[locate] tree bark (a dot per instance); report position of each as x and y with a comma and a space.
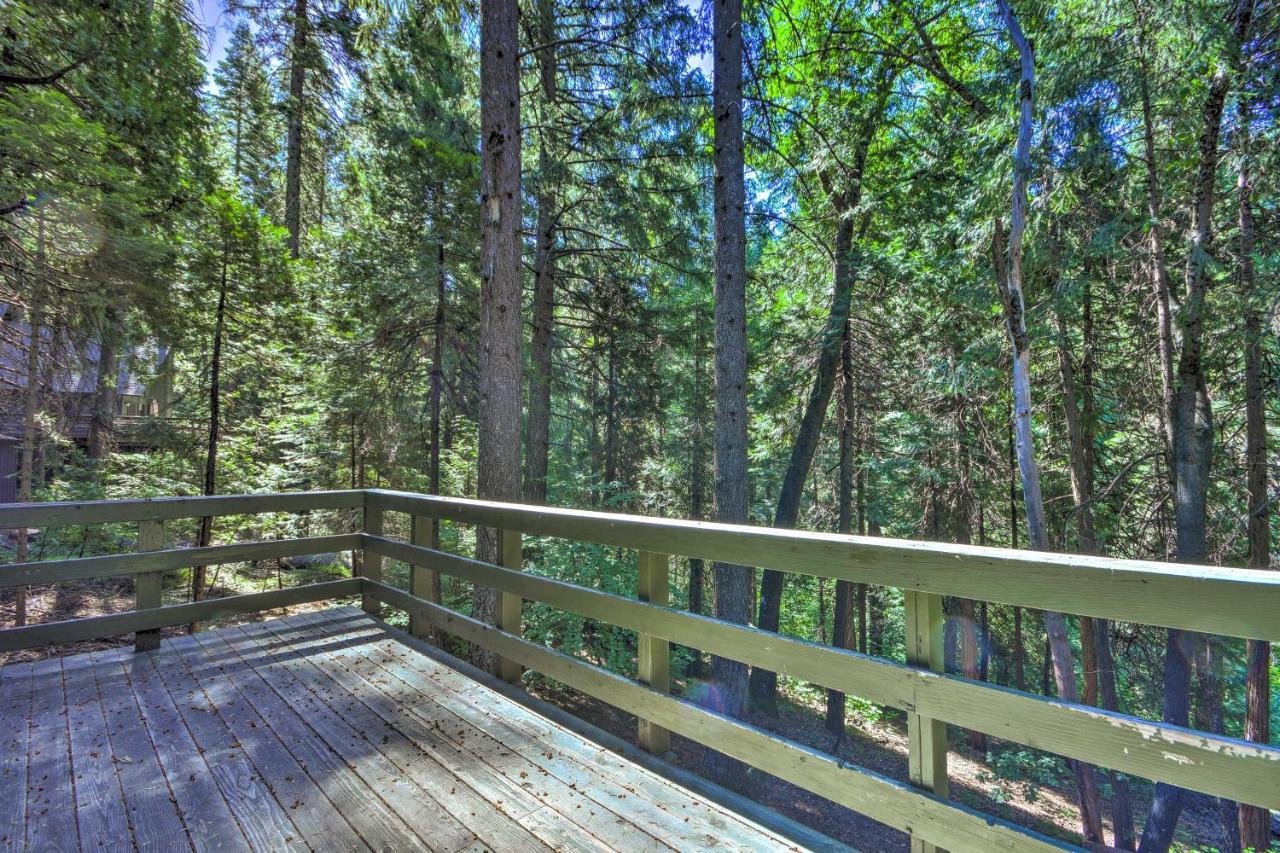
1015, 317
296, 114
1192, 421
500, 366
697, 488
1159, 272
538, 429
102, 424
1019, 647
1095, 638
436, 393
198, 573
842, 636
1255, 829
966, 608
732, 592
30, 409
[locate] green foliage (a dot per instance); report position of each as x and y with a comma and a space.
134, 194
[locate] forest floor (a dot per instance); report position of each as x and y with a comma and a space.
1045, 803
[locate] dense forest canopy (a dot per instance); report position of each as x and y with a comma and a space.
1000, 273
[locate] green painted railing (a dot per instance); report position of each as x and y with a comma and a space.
1232, 602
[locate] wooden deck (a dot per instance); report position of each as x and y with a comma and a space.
321, 732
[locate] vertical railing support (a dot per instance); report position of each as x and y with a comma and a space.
425, 582
510, 607
148, 587
926, 737
371, 564
654, 658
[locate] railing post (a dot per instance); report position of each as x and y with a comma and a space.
148, 587
510, 607
654, 654
371, 564
926, 737
425, 582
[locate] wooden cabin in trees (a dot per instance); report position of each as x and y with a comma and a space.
75, 398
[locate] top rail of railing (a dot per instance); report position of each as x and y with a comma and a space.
69, 513
1216, 600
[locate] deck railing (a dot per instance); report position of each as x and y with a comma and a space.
1231, 602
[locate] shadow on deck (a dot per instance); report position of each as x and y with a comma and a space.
318, 731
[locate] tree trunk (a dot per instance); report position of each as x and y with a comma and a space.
1019, 647
845, 202
1209, 718
732, 593
860, 491
842, 629
611, 415
102, 423
966, 608
30, 408
435, 395
198, 573
697, 488
538, 429
764, 682
1159, 273
1015, 318
875, 609
1095, 639
1192, 423
500, 367
296, 113
1255, 829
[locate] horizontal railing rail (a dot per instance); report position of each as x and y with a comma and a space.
118, 565
884, 799
72, 513
1215, 764
1231, 602
154, 618
148, 565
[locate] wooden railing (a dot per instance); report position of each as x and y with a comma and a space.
149, 565
1232, 602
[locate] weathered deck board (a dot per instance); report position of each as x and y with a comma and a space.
51, 821
377, 824
149, 801
488, 811
280, 772
186, 763
515, 779
416, 793
319, 732
100, 810
15, 710
652, 801
648, 801
544, 813
397, 756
